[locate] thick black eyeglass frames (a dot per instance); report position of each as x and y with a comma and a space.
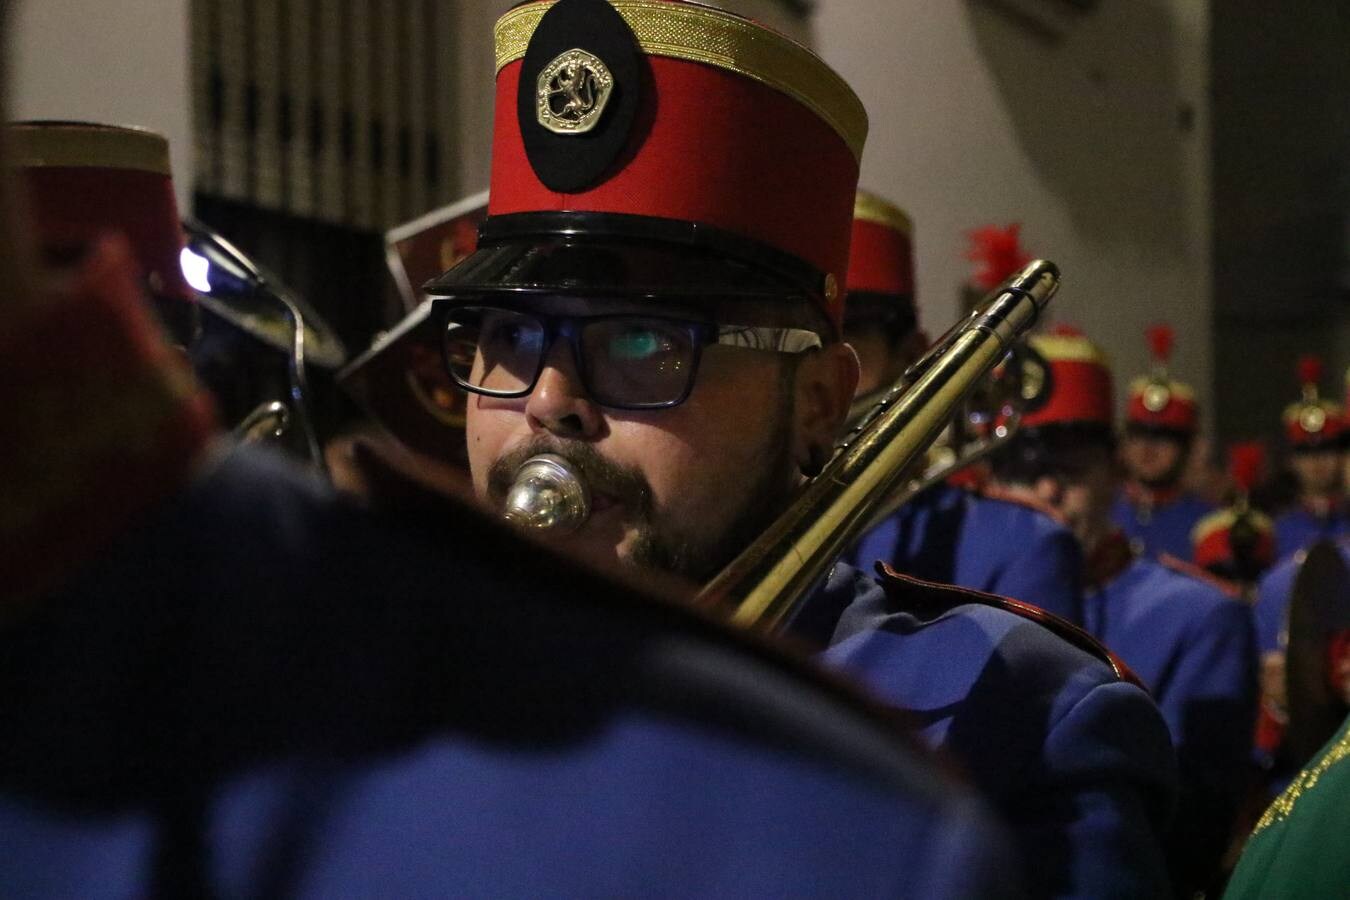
625, 361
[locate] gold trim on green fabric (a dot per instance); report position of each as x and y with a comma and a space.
1304, 782
716, 38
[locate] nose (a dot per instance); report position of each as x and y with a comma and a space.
559, 403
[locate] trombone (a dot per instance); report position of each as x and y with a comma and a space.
873, 468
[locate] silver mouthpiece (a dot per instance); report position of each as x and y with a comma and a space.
548, 495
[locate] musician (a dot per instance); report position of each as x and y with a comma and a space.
222, 680
1315, 429
1237, 542
659, 306
1190, 641
1154, 510
881, 320
972, 536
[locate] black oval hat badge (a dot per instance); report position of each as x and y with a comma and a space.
580, 85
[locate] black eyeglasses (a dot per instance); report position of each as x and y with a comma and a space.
624, 361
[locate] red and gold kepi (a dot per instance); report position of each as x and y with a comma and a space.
1313, 423
655, 147
1158, 403
84, 180
1238, 542
881, 255
1067, 382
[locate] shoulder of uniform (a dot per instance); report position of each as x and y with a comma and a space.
1191, 570
1195, 501
928, 599
1019, 498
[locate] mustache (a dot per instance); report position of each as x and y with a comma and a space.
626, 484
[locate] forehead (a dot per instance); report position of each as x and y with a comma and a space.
604, 305
1153, 439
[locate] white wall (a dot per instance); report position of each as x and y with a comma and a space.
119, 61
976, 120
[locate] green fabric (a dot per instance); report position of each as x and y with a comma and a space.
1301, 846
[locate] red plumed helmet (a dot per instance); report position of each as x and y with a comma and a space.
1247, 464
1310, 371
999, 253
1158, 402
1161, 338
1312, 423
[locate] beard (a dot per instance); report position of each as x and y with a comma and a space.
661, 542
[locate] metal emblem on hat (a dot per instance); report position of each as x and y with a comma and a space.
1156, 397
1035, 377
1313, 419
572, 91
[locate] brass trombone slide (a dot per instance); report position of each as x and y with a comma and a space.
763, 586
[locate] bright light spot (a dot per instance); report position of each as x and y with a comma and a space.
195, 269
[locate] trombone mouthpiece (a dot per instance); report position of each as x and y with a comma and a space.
548, 495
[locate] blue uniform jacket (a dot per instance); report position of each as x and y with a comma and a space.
1077, 761
264, 692
1272, 598
1194, 647
950, 535
1163, 528
1272, 602
1297, 528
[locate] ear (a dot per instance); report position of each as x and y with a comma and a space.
825, 382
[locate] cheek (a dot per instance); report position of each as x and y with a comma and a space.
489, 432
701, 456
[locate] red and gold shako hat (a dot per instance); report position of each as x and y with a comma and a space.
881, 267
1237, 541
1157, 402
648, 147
1312, 423
86, 179
1067, 381
1227, 536
881, 254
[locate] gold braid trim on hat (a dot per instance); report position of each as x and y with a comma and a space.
1227, 518
1296, 411
1177, 390
716, 38
869, 207
1068, 348
36, 145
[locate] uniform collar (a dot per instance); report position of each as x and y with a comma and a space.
1112, 555
1142, 495
1322, 506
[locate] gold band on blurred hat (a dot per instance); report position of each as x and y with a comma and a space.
868, 207
35, 145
